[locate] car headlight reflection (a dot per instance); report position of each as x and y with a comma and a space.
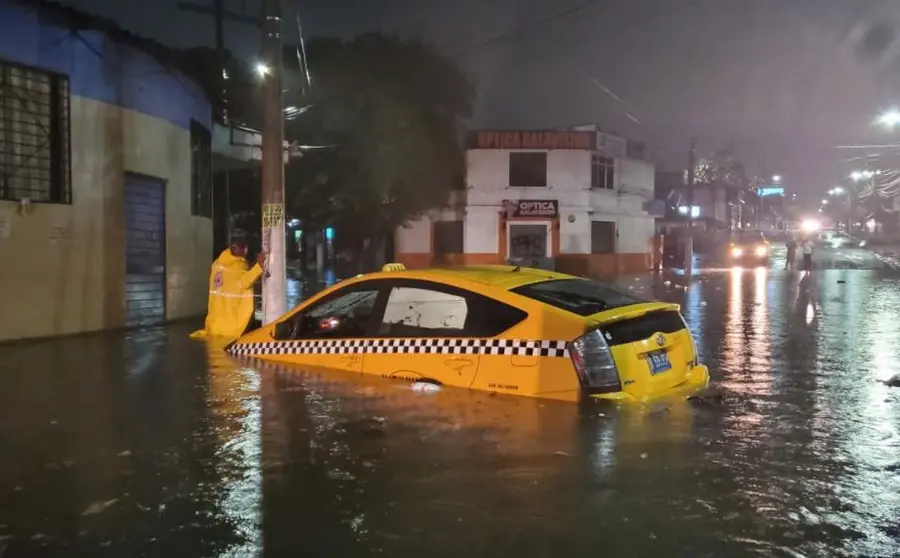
737, 252
761, 251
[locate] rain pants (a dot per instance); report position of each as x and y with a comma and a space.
231, 304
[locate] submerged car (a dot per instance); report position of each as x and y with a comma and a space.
749, 248
502, 329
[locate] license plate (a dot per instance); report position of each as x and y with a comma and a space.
659, 362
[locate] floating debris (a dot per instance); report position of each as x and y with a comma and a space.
99, 507
893, 381
425, 387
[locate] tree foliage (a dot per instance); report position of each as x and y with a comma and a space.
722, 168
387, 112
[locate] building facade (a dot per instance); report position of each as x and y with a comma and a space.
105, 196
576, 199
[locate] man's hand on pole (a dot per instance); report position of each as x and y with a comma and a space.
261, 261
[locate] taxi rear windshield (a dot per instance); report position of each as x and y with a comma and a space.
579, 296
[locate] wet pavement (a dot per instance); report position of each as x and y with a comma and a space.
147, 443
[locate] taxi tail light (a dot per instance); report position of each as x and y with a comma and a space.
594, 363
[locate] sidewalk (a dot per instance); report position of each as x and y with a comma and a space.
886, 249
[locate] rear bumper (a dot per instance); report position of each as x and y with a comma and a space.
696, 379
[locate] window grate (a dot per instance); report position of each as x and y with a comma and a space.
34, 135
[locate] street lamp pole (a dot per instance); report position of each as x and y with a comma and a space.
688, 245
273, 242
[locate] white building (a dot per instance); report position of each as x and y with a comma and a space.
577, 196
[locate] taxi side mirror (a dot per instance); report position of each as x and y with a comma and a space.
284, 330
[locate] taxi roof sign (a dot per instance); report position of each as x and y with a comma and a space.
394, 267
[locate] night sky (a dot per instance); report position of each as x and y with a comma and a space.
782, 81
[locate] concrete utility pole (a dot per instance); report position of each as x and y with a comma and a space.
274, 281
689, 237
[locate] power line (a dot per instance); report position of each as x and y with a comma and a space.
519, 31
533, 25
643, 19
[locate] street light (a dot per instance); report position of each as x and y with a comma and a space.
824, 202
776, 178
262, 70
889, 119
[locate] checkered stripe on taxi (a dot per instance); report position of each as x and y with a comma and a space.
501, 347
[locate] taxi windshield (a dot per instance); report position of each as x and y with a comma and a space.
750, 236
579, 296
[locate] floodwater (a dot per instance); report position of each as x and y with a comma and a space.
147, 443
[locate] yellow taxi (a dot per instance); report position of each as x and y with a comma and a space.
501, 329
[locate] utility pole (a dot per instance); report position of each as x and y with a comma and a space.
688, 245
274, 281
759, 200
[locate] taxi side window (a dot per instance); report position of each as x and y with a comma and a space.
433, 312
344, 315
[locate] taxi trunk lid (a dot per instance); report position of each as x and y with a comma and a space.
651, 345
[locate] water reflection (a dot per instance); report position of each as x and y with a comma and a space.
236, 411
156, 445
460, 471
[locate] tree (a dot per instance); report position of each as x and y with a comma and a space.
383, 118
722, 168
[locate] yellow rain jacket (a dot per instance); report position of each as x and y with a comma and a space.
230, 297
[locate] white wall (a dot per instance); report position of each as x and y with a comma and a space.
575, 236
488, 171
635, 177
482, 231
414, 238
634, 233
76, 283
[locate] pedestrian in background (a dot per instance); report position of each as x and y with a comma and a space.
807, 254
791, 253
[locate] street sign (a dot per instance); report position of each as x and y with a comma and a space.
767, 191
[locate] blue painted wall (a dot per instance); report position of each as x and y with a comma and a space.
100, 68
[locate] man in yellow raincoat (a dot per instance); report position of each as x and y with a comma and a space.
231, 282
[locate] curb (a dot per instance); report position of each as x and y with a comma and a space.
889, 258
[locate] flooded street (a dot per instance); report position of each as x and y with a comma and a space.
148, 443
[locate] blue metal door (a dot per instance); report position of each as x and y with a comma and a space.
145, 250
